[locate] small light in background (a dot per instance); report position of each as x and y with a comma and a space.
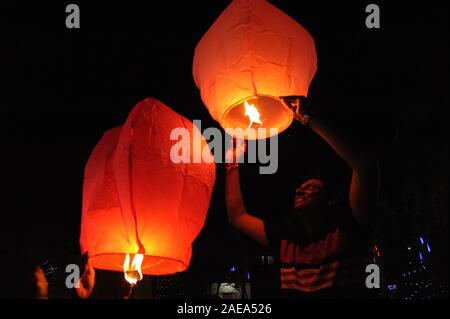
392, 287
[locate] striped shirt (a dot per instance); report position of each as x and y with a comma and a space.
331, 264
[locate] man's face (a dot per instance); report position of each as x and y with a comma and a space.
308, 194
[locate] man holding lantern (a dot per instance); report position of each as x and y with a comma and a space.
323, 250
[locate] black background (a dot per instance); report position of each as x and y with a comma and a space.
62, 88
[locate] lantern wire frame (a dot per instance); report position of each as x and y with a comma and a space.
274, 114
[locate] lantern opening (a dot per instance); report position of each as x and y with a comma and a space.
272, 114
151, 265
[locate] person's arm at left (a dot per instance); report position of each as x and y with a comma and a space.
86, 282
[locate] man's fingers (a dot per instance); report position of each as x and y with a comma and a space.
292, 102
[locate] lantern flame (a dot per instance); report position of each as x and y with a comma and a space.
252, 112
133, 272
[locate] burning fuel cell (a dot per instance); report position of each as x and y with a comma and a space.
252, 112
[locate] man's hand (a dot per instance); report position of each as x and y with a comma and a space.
294, 105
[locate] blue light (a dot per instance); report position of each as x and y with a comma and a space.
429, 248
420, 256
421, 240
392, 287
248, 276
233, 269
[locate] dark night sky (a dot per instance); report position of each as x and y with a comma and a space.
62, 89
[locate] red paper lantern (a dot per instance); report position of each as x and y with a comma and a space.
136, 200
253, 53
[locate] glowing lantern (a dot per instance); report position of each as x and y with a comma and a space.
253, 53
138, 203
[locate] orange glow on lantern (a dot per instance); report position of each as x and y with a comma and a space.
253, 54
252, 112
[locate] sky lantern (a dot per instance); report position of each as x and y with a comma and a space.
141, 211
251, 56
